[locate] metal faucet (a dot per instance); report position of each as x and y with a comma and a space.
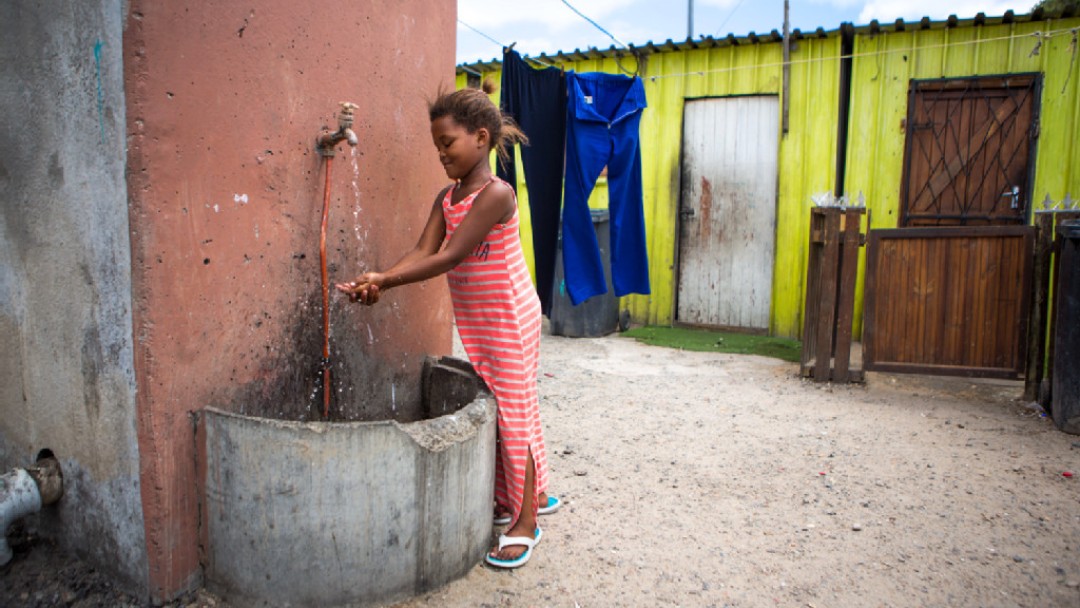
328, 139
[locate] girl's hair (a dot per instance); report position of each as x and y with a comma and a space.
473, 109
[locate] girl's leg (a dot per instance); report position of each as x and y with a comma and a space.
501, 511
526, 523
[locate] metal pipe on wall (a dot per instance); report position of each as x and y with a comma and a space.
25, 491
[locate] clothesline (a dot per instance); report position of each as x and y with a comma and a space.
1040, 37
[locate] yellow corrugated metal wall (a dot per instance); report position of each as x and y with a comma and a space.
807, 167
886, 62
807, 153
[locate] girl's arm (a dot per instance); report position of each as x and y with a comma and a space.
492, 206
430, 239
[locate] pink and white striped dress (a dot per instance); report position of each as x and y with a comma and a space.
498, 317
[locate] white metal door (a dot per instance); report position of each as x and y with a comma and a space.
727, 224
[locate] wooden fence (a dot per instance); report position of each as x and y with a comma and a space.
835, 239
1040, 339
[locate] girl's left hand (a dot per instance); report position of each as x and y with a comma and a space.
365, 289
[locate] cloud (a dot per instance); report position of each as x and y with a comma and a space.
717, 3
550, 13
890, 10
839, 3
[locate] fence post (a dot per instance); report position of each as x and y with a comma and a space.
813, 288
849, 270
1044, 242
826, 322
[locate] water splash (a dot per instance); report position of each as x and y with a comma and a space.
357, 208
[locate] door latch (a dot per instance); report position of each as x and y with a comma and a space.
1013, 194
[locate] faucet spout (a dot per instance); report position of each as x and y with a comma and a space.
328, 140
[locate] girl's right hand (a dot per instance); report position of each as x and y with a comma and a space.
364, 289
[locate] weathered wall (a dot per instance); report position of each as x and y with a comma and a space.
67, 382
224, 104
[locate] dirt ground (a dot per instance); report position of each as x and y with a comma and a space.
699, 479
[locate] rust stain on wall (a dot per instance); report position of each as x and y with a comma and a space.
705, 204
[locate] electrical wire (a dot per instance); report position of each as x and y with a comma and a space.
595, 24
503, 46
481, 33
720, 30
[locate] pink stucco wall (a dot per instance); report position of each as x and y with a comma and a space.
223, 106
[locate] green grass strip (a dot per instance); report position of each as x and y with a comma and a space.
704, 340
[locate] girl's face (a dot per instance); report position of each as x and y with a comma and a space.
459, 151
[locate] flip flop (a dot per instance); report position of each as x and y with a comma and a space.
511, 541
553, 505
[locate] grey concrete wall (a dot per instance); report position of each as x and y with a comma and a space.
66, 362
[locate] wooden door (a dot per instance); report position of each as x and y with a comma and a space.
970, 151
727, 226
948, 291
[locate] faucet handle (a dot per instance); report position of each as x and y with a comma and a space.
345, 118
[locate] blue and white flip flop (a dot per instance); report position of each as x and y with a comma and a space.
515, 541
553, 505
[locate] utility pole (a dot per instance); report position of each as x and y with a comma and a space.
689, 19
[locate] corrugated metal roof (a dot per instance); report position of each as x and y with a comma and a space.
670, 45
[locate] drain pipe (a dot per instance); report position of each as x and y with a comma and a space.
25, 491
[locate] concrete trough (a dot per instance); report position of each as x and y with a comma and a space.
349, 513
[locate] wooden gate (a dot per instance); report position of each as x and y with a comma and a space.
727, 227
949, 301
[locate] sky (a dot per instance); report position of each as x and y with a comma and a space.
549, 26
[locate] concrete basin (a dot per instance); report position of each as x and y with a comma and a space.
349, 513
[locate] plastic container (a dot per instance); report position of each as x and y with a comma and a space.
1065, 392
597, 316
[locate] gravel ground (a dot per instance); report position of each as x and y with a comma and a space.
703, 479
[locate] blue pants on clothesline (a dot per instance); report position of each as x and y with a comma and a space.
602, 120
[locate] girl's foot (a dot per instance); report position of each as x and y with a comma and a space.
518, 541
510, 552
498, 557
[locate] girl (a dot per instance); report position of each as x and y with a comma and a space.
495, 305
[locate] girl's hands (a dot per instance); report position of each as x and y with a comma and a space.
365, 288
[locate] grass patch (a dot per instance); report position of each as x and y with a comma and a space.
704, 340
